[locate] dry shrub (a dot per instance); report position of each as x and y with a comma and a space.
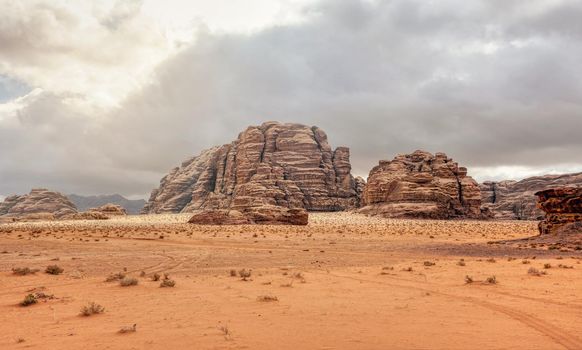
128, 329
29, 300
244, 274
54, 270
267, 298
535, 272
156, 277
128, 281
429, 263
92, 309
23, 271
491, 280
167, 282
115, 277
468, 279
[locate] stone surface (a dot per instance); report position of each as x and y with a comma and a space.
38, 204
266, 215
421, 185
110, 210
516, 200
274, 164
563, 209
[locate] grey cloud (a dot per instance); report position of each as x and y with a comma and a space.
489, 85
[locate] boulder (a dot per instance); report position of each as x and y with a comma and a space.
516, 200
563, 210
39, 204
421, 185
266, 215
274, 164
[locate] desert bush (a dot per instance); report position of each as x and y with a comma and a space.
429, 263
244, 274
461, 263
232, 273
128, 281
525, 261
115, 277
267, 298
128, 329
468, 279
29, 300
156, 277
491, 280
547, 266
54, 270
91, 309
23, 271
166, 282
535, 272
491, 260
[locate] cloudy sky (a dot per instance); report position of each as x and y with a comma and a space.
106, 96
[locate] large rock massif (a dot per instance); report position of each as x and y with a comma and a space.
38, 204
265, 215
272, 165
421, 185
516, 200
563, 208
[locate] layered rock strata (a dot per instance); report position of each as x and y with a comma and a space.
264, 215
516, 200
39, 204
563, 210
274, 164
421, 185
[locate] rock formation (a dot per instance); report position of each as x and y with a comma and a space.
84, 203
103, 212
516, 200
265, 215
563, 208
421, 185
274, 164
110, 210
38, 204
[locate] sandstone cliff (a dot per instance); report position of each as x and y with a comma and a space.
563, 210
516, 200
39, 203
274, 164
421, 185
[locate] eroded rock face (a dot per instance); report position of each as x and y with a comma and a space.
266, 215
274, 164
38, 204
110, 210
563, 209
516, 200
421, 185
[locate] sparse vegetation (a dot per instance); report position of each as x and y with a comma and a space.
128, 329
535, 272
167, 282
244, 274
115, 277
547, 266
91, 308
233, 273
128, 281
461, 262
468, 279
30, 299
54, 270
429, 263
491, 260
267, 298
156, 277
491, 280
225, 331
23, 271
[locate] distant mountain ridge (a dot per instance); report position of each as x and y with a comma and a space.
83, 203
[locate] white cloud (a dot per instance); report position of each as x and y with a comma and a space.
121, 91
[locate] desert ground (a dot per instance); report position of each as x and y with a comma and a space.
345, 281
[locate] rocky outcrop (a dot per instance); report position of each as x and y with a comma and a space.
38, 204
110, 210
266, 215
563, 210
274, 164
84, 203
421, 185
516, 200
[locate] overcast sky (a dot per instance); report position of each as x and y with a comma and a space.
106, 96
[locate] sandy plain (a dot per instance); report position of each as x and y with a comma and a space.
345, 281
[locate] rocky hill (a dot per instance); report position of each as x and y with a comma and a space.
421, 185
39, 203
274, 164
84, 203
516, 200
